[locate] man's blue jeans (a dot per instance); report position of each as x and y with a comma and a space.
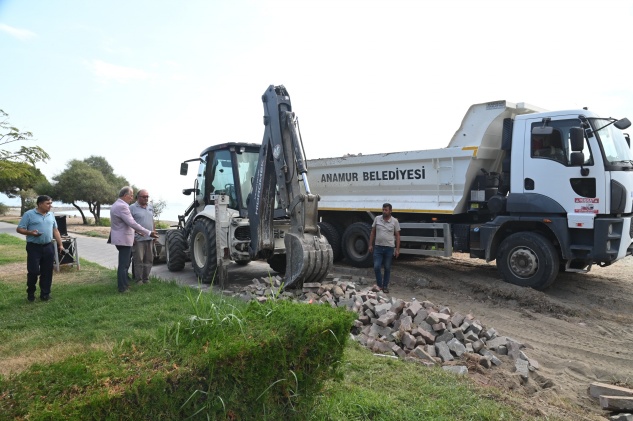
383, 255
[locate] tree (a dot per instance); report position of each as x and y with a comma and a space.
11, 162
22, 184
92, 181
159, 206
18, 174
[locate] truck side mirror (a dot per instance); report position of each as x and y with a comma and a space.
184, 168
576, 139
623, 124
577, 159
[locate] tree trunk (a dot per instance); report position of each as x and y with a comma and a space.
22, 205
95, 210
81, 212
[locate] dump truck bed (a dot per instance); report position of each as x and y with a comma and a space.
434, 181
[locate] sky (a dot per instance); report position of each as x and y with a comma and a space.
148, 84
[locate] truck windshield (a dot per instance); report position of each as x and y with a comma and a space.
614, 146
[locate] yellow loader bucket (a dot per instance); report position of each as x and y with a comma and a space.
308, 259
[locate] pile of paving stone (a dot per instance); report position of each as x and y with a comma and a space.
420, 330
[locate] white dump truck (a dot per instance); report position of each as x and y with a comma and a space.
537, 191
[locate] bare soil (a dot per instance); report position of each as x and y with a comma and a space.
579, 331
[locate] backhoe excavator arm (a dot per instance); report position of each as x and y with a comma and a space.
280, 170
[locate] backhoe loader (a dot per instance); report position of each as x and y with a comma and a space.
253, 202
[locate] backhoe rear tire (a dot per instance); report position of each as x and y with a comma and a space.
356, 245
175, 246
203, 250
333, 237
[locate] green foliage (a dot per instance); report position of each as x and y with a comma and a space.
158, 206
4, 209
161, 225
23, 177
14, 164
104, 222
92, 181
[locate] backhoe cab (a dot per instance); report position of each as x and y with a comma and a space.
253, 202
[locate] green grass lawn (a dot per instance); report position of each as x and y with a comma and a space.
87, 314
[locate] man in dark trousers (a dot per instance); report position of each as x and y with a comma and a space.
122, 228
386, 232
40, 228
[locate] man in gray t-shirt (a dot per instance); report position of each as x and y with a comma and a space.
386, 232
142, 253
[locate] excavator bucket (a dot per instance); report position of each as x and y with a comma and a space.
309, 257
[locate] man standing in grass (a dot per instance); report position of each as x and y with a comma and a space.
40, 228
142, 254
122, 228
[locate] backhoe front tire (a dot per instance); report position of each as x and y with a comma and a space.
528, 259
203, 250
355, 245
175, 246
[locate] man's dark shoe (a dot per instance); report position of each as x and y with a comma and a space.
31, 298
385, 290
45, 297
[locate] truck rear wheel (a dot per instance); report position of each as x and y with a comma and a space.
527, 259
333, 237
175, 246
203, 250
355, 245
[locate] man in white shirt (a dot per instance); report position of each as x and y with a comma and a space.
386, 232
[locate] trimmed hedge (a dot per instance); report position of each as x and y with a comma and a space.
231, 361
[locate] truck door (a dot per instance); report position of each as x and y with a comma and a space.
547, 171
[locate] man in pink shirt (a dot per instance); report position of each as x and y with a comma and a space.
122, 231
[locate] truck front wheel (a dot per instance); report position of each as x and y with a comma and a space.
528, 259
175, 246
356, 245
203, 250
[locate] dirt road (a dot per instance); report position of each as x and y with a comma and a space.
579, 331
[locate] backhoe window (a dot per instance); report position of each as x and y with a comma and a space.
222, 180
247, 165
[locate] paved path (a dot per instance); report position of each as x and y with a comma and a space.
97, 250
